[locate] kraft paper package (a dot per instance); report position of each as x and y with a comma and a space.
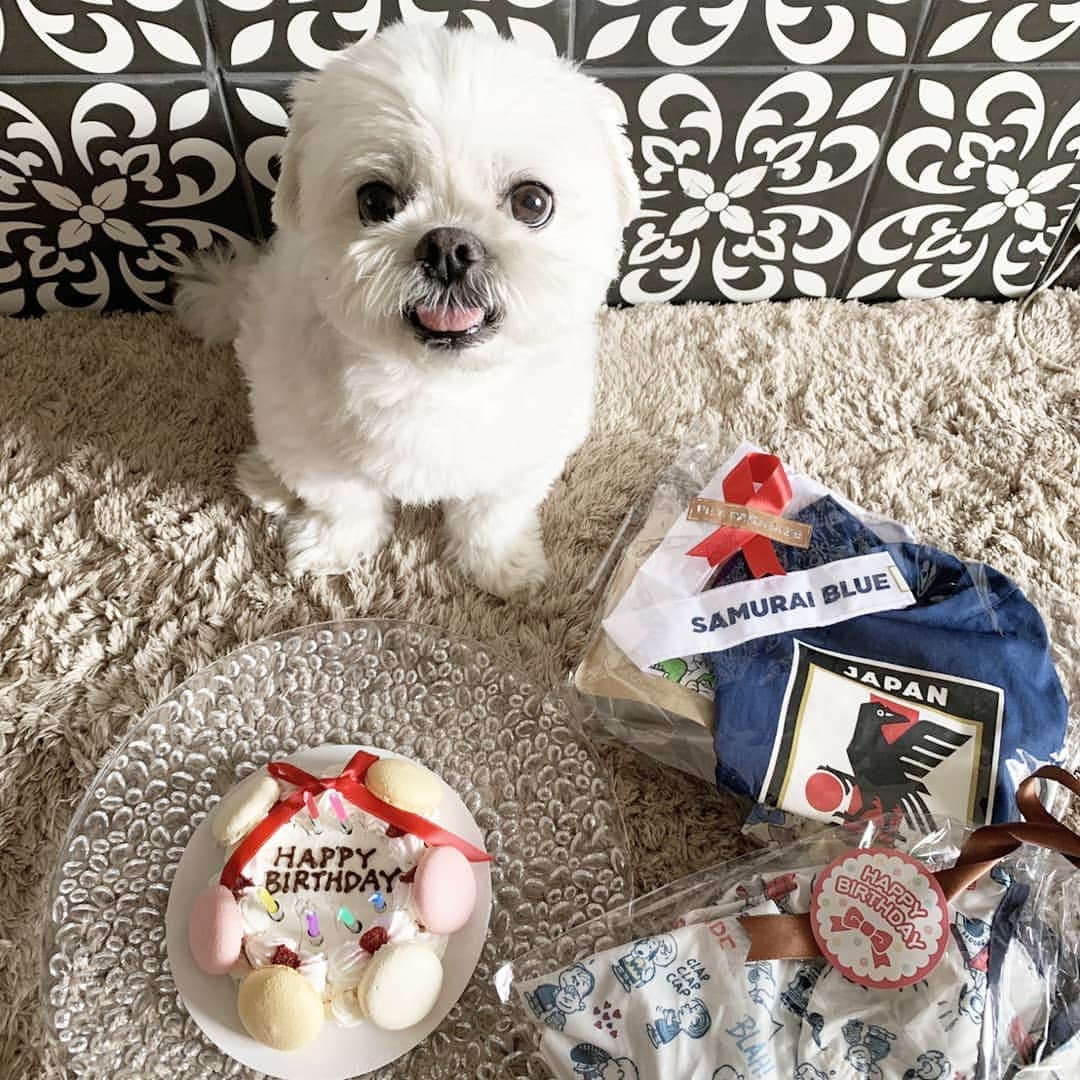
817, 658
850, 954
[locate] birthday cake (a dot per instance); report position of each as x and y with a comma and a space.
336, 898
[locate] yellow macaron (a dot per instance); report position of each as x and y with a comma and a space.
405, 785
280, 1008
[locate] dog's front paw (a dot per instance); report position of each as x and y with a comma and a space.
516, 572
316, 543
258, 481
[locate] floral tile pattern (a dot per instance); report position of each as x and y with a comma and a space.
269, 35
260, 120
618, 33
1002, 30
100, 37
753, 198
104, 185
862, 148
979, 174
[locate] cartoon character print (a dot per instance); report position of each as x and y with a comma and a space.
691, 1019
693, 673
553, 1003
929, 1065
704, 684
760, 984
867, 1045
806, 1071
593, 1063
973, 938
673, 670
972, 1001
796, 997
638, 967
728, 1072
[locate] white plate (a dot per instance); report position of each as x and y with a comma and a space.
338, 1052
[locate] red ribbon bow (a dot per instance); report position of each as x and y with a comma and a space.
771, 496
350, 784
880, 940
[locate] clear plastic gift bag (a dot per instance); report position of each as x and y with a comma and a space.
817, 658
846, 955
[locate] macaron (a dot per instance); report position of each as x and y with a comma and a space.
404, 785
444, 890
400, 985
215, 930
278, 1007
244, 807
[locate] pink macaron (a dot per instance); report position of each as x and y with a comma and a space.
215, 930
444, 890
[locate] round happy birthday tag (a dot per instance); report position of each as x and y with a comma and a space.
880, 917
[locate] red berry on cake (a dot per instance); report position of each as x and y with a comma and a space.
371, 941
285, 956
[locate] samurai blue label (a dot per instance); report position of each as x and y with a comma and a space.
722, 618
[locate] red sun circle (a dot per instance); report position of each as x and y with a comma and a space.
824, 792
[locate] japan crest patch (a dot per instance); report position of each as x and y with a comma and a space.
858, 738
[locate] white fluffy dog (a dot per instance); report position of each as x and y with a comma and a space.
421, 329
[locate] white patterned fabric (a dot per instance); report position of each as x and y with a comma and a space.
684, 1005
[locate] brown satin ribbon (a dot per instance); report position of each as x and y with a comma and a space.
789, 937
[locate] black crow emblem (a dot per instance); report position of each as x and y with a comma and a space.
890, 753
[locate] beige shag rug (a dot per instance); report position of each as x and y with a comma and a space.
127, 561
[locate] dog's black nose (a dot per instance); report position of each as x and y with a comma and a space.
447, 254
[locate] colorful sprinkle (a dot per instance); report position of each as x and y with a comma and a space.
312, 809
273, 908
339, 811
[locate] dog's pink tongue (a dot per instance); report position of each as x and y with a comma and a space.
445, 320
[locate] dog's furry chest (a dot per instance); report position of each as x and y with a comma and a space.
487, 439
326, 409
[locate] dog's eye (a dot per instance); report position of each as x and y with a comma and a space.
377, 202
532, 204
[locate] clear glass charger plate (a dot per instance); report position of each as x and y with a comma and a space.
514, 753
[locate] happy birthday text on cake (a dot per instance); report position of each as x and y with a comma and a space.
323, 870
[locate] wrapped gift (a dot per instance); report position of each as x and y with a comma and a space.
843, 668
871, 955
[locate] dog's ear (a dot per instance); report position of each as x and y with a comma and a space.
620, 152
285, 207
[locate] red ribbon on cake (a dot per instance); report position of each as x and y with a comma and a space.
350, 784
772, 495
